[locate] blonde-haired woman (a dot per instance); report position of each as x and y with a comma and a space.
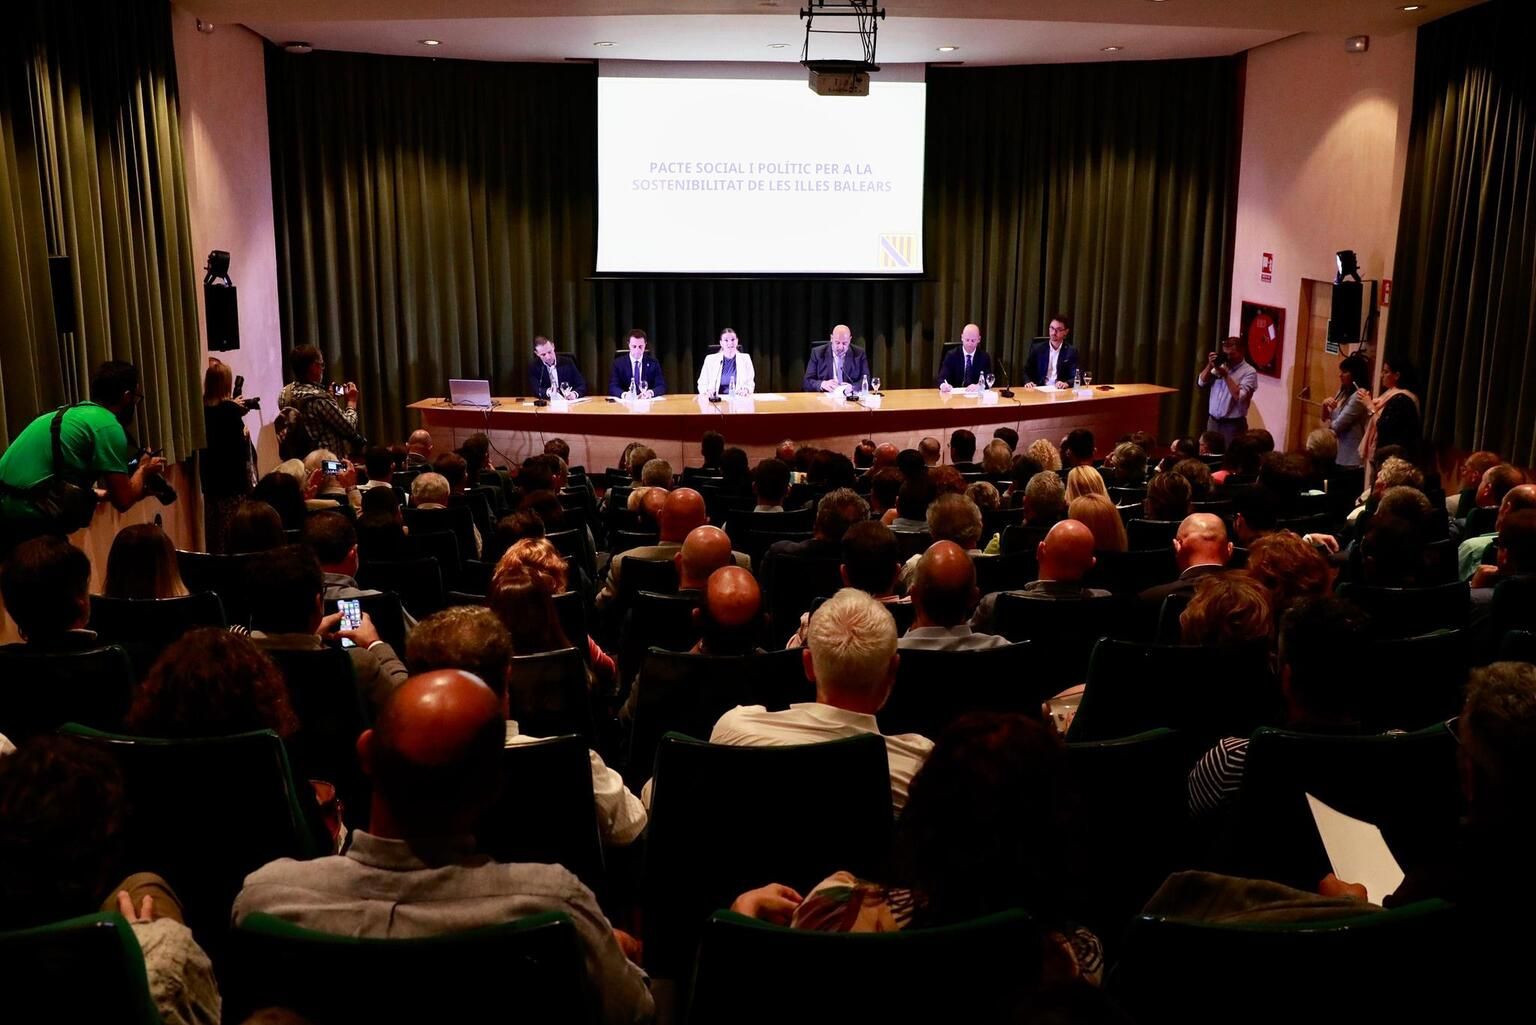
1099, 515
225, 466
1085, 480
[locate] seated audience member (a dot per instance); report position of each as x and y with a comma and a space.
511, 529
324, 490
885, 457
1168, 497
380, 467
1318, 698
142, 564
1289, 568
1179, 449
1103, 519
523, 587
1227, 610
1077, 448
735, 473
285, 495
62, 825
931, 450
835, 513
1045, 505
211, 683
1285, 475
430, 490
912, 503
850, 655
770, 485
333, 539
1323, 451
1085, 480
454, 469
381, 535
1045, 454
1470, 477
1008, 436
1255, 514
830, 470
1240, 462
285, 593
538, 473
681, 511
984, 495
910, 462
1497, 482
1470, 554
730, 617
864, 454
785, 453
947, 480
950, 518
884, 488
997, 460
1126, 466
1517, 557
46, 585
1212, 443
434, 758
638, 457
944, 593
418, 450
256, 527
1199, 477
553, 447
472, 638
704, 550
711, 450
1392, 551
962, 450
982, 833
1200, 548
382, 500
1064, 557
871, 562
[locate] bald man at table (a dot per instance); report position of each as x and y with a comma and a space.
836, 366
962, 367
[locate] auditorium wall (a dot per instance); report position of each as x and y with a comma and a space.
1325, 140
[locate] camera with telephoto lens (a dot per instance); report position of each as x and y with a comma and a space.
159, 487
254, 402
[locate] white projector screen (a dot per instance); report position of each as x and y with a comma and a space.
742, 169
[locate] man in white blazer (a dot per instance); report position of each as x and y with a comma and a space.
729, 371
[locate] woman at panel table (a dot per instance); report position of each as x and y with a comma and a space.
728, 371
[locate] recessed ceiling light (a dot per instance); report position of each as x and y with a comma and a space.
1111, 49
298, 46
777, 46
1414, 7
430, 42
948, 49
605, 42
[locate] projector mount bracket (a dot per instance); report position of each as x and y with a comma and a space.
866, 15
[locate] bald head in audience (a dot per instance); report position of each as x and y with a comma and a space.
1202, 541
434, 755
850, 652
944, 589
419, 445
1066, 554
729, 615
931, 449
651, 502
1522, 496
785, 453
885, 455
704, 550
682, 511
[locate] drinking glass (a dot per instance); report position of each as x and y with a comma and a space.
874, 384
1087, 380
986, 381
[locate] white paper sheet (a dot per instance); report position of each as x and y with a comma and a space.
1357, 850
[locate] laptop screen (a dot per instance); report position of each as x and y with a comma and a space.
469, 393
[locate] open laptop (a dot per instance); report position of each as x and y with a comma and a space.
462, 392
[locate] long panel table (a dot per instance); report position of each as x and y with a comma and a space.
597, 428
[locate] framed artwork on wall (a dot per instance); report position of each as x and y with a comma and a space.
1263, 328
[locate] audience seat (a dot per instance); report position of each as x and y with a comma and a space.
1022, 539
1440, 566
387, 613
1409, 611
1408, 683
1206, 692
572, 610
418, 582
1383, 966
1130, 573
658, 575
475, 577
443, 546
1517, 646
207, 812
548, 694
1318, 523
533, 968
995, 521
322, 689
1169, 629
1151, 535
545, 812
456, 520
1405, 783
145, 627
623, 540
661, 621
971, 972
1481, 520
1004, 572
1127, 495
1514, 605
1064, 633
797, 583
689, 693
85, 969
727, 819
759, 541
933, 688
912, 542
225, 575
41, 691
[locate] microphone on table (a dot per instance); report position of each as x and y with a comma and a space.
1006, 392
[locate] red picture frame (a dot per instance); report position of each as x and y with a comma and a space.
1262, 326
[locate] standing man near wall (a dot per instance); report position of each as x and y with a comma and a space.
324, 423
1232, 381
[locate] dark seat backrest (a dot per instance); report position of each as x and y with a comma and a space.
41, 691
548, 694
545, 812
387, 613
1413, 682
225, 575
624, 540
82, 969
1004, 572
418, 582
444, 546
1130, 573
797, 583
1021, 539
708, 839
658, 575
145, 627
912, 542
1410, 611
933, 688
1064, 632
661, 621
322, 689
328, 979
1151, 535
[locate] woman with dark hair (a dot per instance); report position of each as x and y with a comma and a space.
255, 527
1395, 417
142, 564
985, 830
211, 683
1348, 410
285, 494
736, 471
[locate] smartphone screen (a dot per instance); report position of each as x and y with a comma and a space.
351, 616
239, 385
332, 466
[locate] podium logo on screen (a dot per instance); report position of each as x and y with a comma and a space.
897, 252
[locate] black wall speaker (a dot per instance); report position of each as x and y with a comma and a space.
1345, 322
62, 283
223, 316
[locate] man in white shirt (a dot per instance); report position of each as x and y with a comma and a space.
850, 655
945, 594
1053, 362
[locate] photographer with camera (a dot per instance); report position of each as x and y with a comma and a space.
317, 419
225, 466
1232, 381
48, 476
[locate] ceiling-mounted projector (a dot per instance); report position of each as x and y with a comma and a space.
842, 77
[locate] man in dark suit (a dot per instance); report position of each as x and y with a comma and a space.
836, 366
964, 366
548, 370
1051, 363
1200, 548
636, 369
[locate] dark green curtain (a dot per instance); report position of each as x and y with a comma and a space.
432, 216
1464, 302
90, 157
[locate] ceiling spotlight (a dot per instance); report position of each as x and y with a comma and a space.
298, 46
1414, 7
430, 42
1111, 49
948, 49
205, 27
605, 42
777, 46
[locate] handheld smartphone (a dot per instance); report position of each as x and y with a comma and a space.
239, 385
351, 616
339, 390
332, 466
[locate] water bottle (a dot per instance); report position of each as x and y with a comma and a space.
864, 385
1077, 379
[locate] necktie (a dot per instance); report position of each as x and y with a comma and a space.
635, 377
837, 370
967, 378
